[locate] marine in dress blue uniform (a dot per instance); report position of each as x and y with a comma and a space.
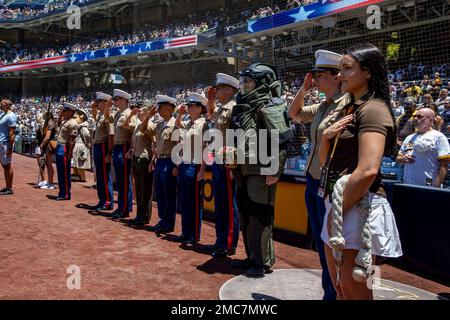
122, 165
191, 169
160, 128
102, 158
226, 213
66, 134
320, 116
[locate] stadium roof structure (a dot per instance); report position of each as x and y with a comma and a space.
99, 6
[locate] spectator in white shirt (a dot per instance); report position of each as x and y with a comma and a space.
426, 153
441, 100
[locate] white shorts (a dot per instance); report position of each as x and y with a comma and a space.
385, 237
4, 158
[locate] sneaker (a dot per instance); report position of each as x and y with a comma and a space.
48, 187
6, 192
42, 183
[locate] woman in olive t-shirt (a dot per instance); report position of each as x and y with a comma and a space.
366, 132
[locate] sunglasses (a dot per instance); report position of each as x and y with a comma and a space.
420, 117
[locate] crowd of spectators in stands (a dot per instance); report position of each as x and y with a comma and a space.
12, 54
53, 6
276, 8
407, 98
16, 55
26, 13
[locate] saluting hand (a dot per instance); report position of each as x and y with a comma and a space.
182, 110
108, 107
94, 105
152, 111
308, 83
211, 95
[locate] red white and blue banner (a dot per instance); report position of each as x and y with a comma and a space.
315, 10
138, 48
33, 64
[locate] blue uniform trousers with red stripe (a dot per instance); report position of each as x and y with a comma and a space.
165, 192
63, 167
225, 207
316, 215
122, 169
103, 174
191, 201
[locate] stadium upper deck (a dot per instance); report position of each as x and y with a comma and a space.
280, 35
26, 13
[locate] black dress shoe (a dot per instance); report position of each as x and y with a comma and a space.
120, 215
155, 228
111, 214
104, 208
242, 264
219, 253
164, 230
62, 199
211, 248
189, 241
130, 222
181, 238
138, 223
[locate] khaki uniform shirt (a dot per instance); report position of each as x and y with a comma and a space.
67, 129
161, 132
103, 129
122, 135
321, 116
194, 137
142, 143
222, 117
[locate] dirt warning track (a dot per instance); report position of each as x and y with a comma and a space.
41, 238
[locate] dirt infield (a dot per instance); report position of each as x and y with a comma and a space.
41, 238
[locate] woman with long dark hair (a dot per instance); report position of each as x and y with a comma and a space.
48, 149
354, 146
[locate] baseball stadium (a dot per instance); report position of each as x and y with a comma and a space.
96, 94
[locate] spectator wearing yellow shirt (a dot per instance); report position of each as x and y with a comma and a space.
414, 91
